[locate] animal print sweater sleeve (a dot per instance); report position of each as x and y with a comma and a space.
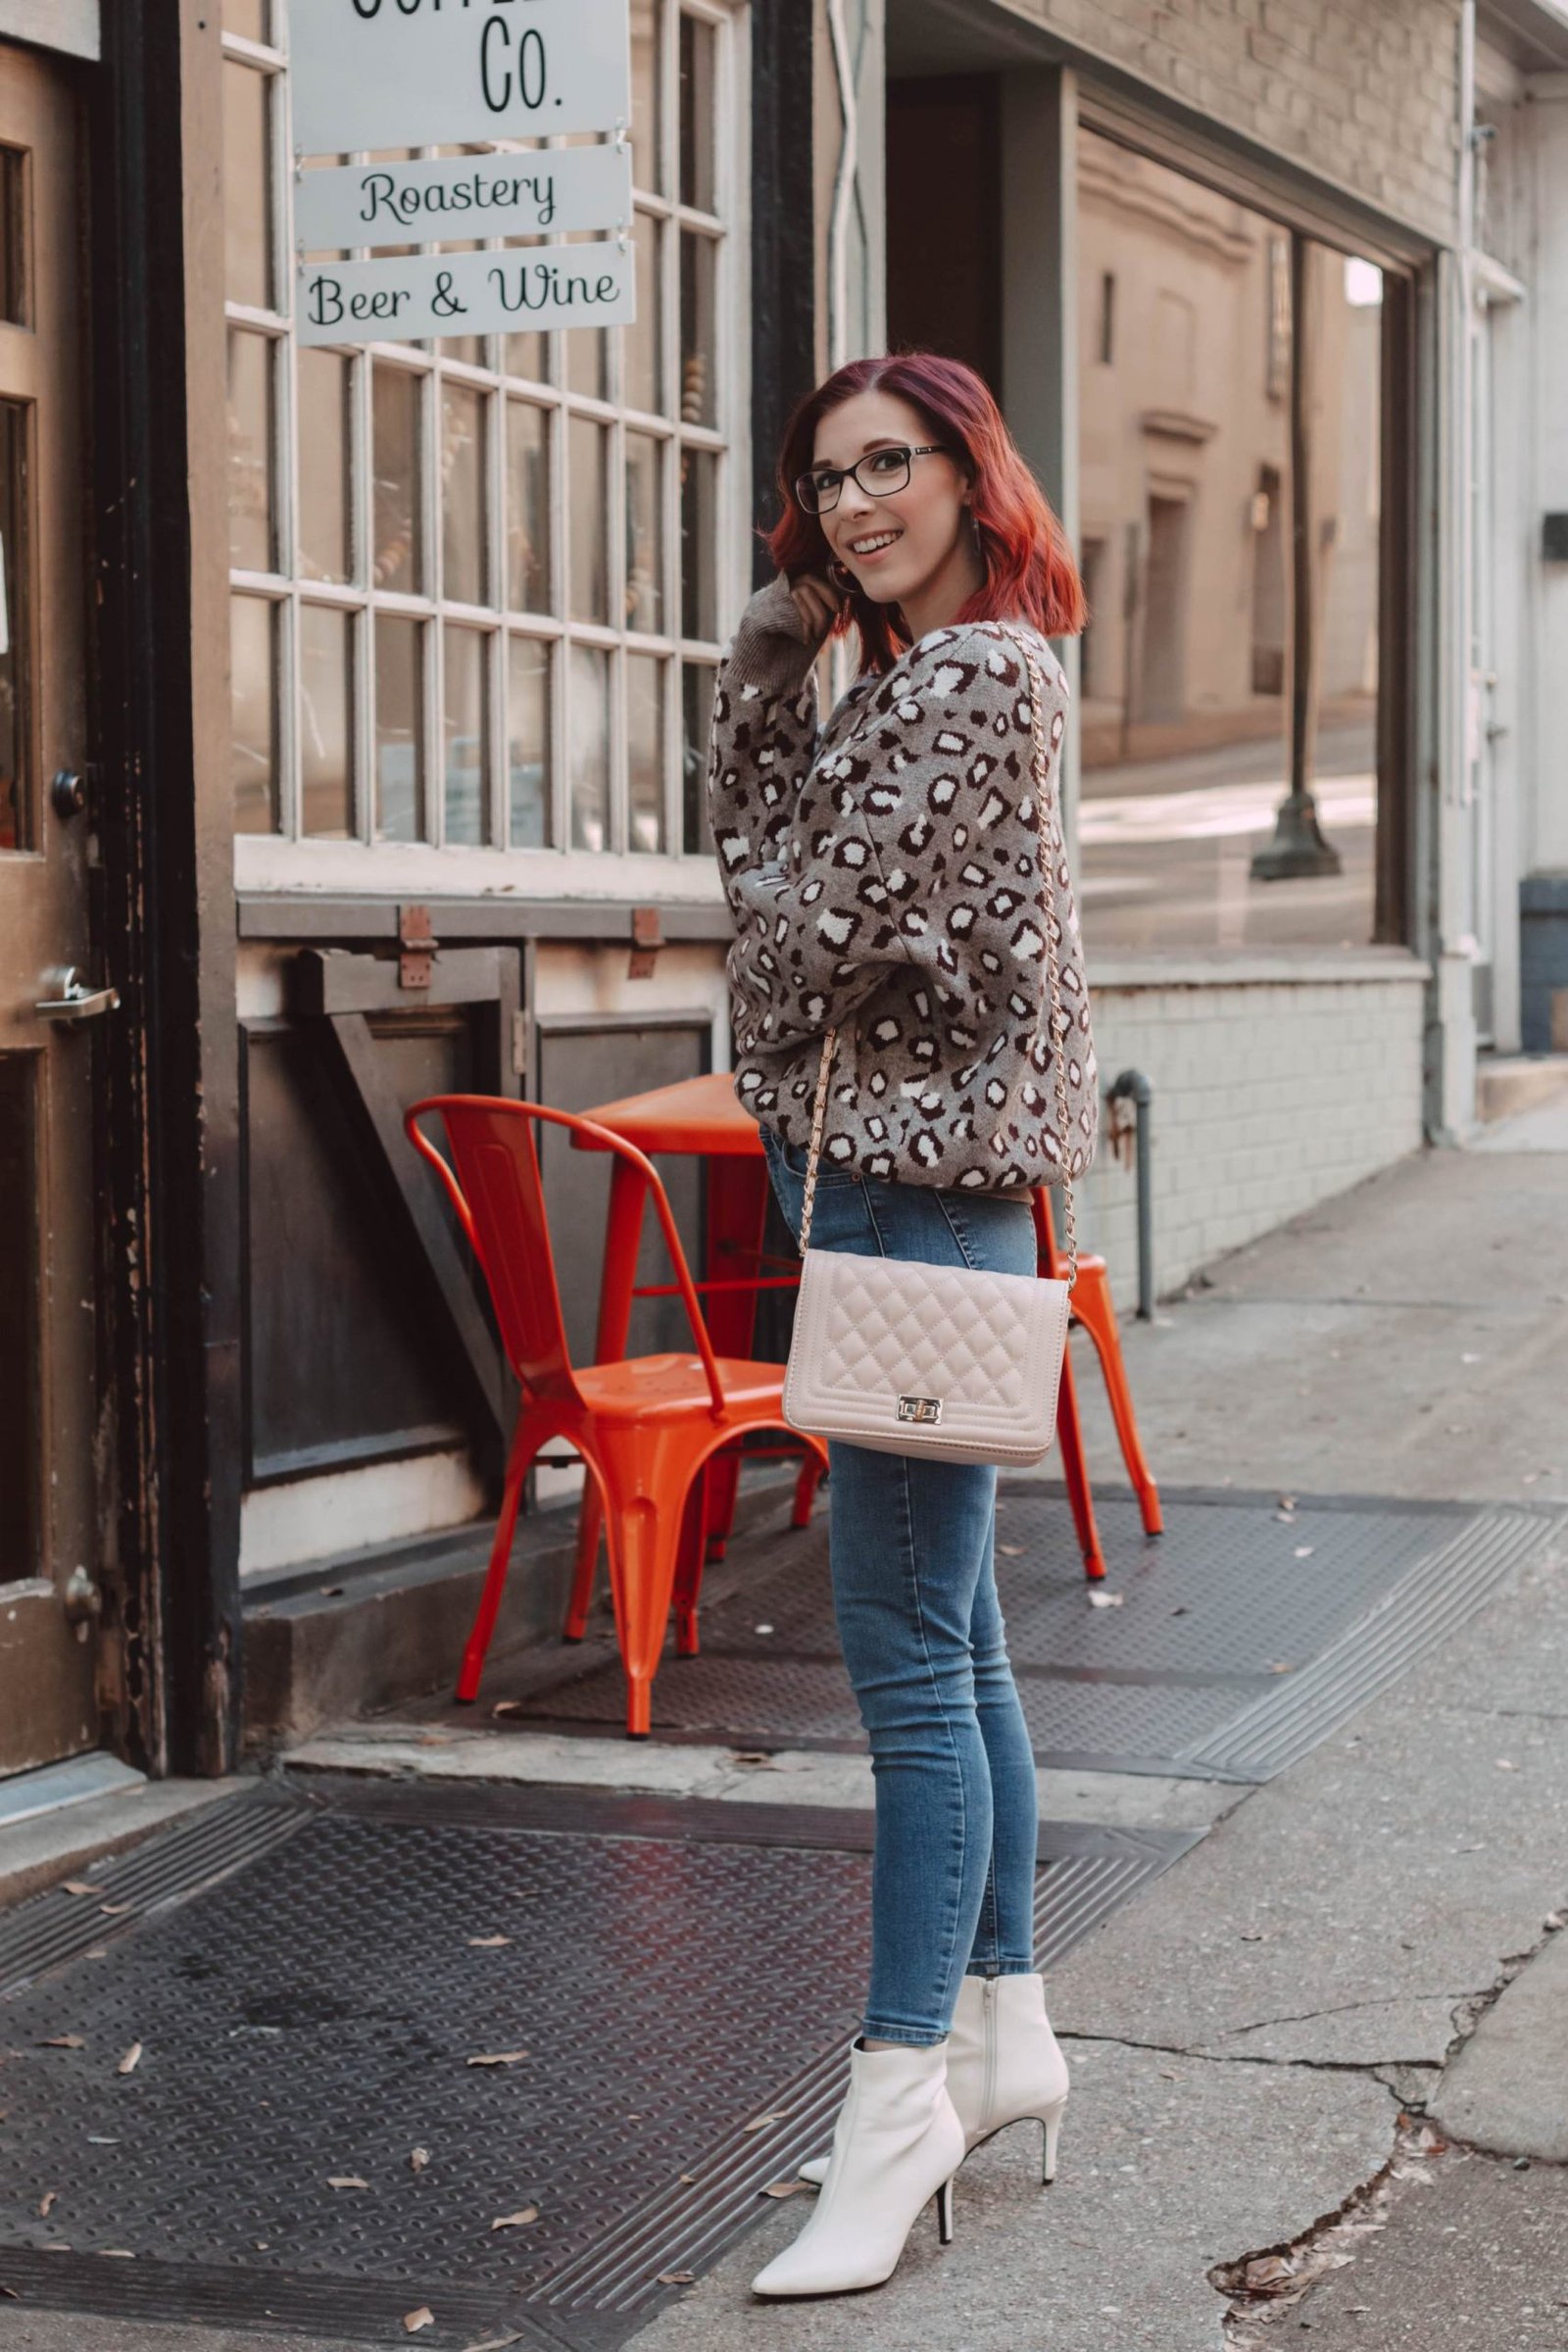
887, 879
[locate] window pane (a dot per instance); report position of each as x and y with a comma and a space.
253, 759
645, 538
695, 724
399, 728
327, 727
698, 51
588, 448
325, 520
699, 542
590, 747
697, 348
466, 734
587, 348
17, 777
250, 447
396, 548
641, 342
1215, 579
527, 355
247, 18
645, 753
247, 197
528, 507
645, 84
529, 743
463, 494
586, 356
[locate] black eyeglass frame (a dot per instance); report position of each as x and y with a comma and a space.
908, 453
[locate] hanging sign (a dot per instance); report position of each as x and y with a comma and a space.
410, 296
463, 196
370, 74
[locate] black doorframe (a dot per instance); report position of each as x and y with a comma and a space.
165, 892
783, 356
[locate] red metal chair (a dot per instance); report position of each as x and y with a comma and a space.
644, 1426
1095, 1310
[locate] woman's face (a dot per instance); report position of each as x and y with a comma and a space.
896, 546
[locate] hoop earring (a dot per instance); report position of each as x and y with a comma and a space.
843, 580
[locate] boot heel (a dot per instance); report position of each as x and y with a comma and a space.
945, 2211
1053, 2126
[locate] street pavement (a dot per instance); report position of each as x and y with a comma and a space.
1320, 2066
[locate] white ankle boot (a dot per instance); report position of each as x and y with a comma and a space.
1004, 2064
898, 2144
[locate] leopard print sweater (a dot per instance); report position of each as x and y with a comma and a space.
885, 879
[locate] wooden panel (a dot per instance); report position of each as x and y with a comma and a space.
19, 1318
350, 1354
578, 1068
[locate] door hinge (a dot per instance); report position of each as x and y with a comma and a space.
647, 938
417, 941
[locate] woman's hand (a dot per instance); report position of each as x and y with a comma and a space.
818, 604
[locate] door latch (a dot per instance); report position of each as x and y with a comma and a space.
75, 1001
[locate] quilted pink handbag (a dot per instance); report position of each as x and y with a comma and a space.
935, 1360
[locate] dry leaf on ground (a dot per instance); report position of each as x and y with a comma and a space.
419, 2158
757, 2121
65, 2041
1012, 1552
516, 2220
47, 2199
127, 2064
346, 2181
113, 1910
1106, 1600
676, 2278
782, 2188
413, 2320
80, 1886
498, 2058
488, 1944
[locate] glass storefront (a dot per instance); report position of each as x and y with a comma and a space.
1230, 406
476, 582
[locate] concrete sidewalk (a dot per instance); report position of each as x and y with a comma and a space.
1327, 2049
1271, 2048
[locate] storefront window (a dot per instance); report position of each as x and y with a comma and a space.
477, 581
1231, 423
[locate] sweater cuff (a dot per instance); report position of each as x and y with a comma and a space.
769, 649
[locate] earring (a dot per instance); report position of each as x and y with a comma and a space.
843, 580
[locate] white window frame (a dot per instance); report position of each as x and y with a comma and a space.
286, 861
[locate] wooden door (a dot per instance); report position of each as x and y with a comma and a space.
52, 1000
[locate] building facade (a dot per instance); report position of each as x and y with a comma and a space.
312, 657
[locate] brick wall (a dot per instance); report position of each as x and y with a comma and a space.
1270, 1093
1364, 96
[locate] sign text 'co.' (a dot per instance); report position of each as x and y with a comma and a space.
370, 74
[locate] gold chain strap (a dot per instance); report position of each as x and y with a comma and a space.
1054, 1014
818, 1110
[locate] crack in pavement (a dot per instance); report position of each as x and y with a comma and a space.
1322, 2066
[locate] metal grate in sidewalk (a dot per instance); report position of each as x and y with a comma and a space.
307, 1984
1241, 1637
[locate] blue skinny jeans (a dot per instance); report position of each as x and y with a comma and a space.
912, 1548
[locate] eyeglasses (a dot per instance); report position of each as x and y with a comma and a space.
885, 470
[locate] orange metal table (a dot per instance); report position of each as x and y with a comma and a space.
701, 1116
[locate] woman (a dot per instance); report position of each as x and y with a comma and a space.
886, 879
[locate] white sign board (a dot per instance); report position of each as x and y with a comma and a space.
414, 295
461, 197
371, 73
